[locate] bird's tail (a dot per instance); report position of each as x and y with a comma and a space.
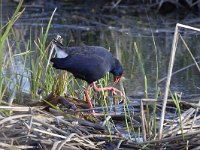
59, 48
58, 63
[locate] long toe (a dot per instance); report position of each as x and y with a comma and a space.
118, 93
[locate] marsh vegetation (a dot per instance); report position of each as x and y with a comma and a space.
31, 115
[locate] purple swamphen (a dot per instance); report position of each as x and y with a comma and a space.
89, 63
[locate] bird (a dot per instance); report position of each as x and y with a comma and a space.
88, 63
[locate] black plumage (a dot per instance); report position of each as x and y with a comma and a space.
89, 63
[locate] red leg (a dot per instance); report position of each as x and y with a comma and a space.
88, 98
114, 90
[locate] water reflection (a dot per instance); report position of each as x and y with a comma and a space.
118, 32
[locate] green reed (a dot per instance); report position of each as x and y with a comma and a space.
177, 104
145, 86
4, 33
34, 59
41, 72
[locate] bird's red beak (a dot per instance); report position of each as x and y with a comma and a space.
117, 79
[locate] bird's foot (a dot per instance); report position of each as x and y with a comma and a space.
110, 88
118, 93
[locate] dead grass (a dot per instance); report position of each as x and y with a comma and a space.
32, 127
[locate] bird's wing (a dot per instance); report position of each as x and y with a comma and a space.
86, 67
91, 66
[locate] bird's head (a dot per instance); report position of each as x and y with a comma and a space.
117, 71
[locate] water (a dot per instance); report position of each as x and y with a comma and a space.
117, 30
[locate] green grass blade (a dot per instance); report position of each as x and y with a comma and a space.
8, 28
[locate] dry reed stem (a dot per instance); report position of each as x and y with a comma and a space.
15, 108
178, 137
143, 120
171, 63
58, 132
175, 127
39, 126
11, 118
170, 67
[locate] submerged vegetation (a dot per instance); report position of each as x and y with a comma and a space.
37, 119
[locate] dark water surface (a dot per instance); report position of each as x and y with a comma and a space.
117, 29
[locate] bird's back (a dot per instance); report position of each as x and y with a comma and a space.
90, 51
84, 50
85, 67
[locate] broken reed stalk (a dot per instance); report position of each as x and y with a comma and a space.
195, 62
171, 63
